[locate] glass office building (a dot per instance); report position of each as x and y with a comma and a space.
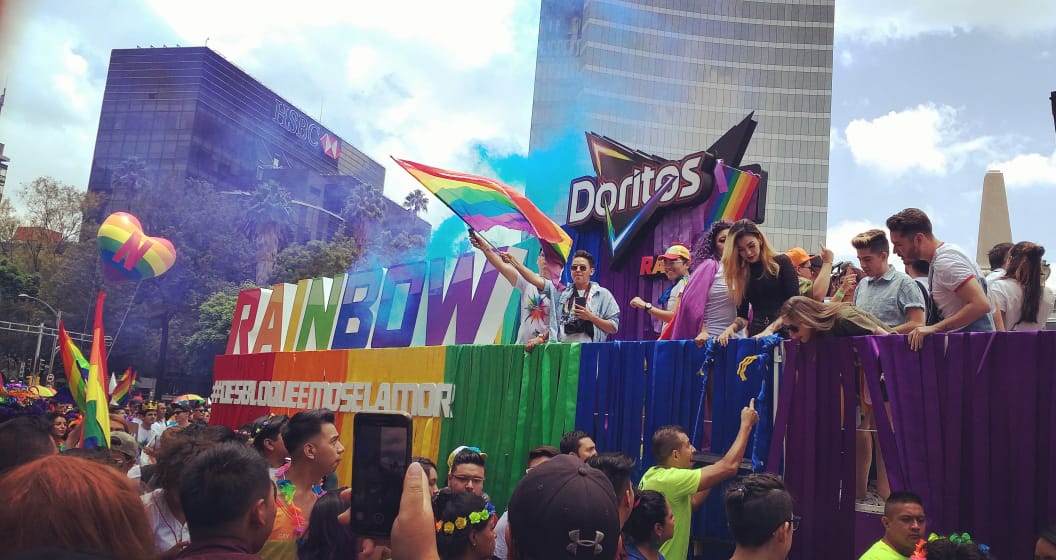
669, 77
188, 112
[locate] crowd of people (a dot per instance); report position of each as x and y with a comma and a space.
172, 486
215, 493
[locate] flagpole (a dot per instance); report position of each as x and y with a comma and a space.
113, 342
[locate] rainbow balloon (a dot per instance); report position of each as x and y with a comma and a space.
129, 253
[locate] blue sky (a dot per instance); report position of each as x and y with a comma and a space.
926, 95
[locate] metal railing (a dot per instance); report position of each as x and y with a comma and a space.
50, 331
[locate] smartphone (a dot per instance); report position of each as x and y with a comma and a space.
581, 301
381, 452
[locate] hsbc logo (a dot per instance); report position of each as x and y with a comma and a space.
306, 129
331, 146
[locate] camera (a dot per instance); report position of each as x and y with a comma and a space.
838, 270
574, 325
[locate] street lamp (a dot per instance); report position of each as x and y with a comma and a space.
58, 317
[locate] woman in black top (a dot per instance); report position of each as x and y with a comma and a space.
756, 276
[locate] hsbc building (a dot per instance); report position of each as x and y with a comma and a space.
189, 112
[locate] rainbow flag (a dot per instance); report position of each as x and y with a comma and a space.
96, 409
123, 392
484, 203
75, 365
734, 190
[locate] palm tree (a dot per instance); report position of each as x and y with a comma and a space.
363, 211
416, 202
267, 220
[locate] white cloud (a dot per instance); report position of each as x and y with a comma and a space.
420, 80
838, 238
1028, 170
846, 57
873, 21
926, 138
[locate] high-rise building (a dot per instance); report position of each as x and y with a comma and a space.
4, 160
189, 112
669, 77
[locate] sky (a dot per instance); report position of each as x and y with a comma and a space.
927, 96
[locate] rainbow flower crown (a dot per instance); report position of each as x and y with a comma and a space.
474, 518
921, 553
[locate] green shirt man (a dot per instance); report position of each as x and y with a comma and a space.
684, 487
904, 526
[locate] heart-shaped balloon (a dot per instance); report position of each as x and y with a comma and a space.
129, 253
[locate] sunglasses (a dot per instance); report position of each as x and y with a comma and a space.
795, 522
580, 267
793, 328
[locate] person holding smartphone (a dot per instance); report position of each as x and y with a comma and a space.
586, 312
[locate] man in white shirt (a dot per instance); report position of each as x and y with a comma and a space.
148, 431
957, 285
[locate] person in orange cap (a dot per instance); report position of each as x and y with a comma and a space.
676, 267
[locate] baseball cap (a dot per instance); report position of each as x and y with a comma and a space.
562, 509
677, 251
125, 443
798, 256
451, 457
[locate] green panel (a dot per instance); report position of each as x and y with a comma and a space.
506, 403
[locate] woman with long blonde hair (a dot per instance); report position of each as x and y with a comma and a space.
1019, 299
757, 277
807, 319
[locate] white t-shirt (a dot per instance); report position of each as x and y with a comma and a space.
500, 536
951, 269
167, 529
1006, 296
719, 311
535, 311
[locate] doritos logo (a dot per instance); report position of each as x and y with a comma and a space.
331, 146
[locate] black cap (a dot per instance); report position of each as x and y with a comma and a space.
562, 509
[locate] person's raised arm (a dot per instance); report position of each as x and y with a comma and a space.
505, 269
820, 288
727, 467
528, 274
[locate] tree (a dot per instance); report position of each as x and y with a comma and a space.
211, 253
267, 219
315, 259
57, 211
397, 246
9, 221
363, 211
416, 202
212, 327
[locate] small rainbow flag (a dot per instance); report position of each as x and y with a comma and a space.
97, 409
123, 392
484, 203
75, 365
734, 189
